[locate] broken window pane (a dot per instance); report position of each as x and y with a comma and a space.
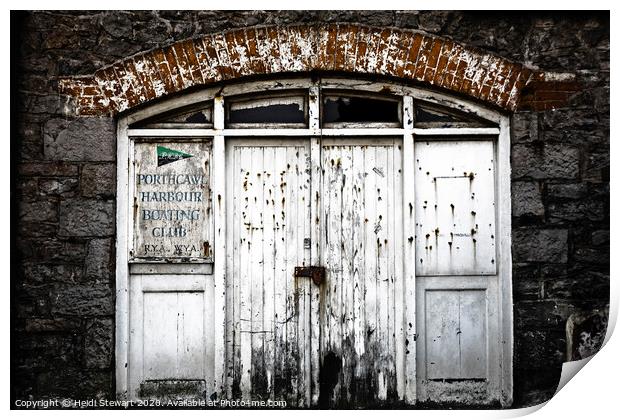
284, 111
194, 116
360, 109
432, 116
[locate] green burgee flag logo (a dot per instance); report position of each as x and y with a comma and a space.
166, 156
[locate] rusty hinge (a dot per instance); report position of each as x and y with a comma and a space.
316, 273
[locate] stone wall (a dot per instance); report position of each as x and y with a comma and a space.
63, 184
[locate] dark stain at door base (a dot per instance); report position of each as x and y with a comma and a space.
328, 378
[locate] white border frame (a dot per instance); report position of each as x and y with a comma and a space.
218, 133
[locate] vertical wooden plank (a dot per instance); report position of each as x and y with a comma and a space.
358, 206
307, 203
206, 323
370, 269
245, 278
398, 286
255, 247
136, 337
232, 268
302, 287
281, 280
420, 344
315, 230
333, 162
505, 261
347, 272
269, 247
238, 208
409, 256
289, 188
493, 347
379, 174
389, 244
123, 174
218, 309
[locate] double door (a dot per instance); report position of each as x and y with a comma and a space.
325, 305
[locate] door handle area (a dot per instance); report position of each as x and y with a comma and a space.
317, 274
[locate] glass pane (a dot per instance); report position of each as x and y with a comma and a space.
281, 110
202, 116
360, 109
197, 115
431, 116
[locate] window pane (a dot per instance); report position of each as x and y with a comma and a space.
360, 109
197, 115
431, 116
280, 110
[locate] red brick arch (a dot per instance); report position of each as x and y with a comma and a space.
354, 48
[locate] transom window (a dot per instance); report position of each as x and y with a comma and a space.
286, 106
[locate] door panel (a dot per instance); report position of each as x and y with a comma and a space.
268, 223
361, 212
455, 208
173, 335
456, 282
169, 348
456, 334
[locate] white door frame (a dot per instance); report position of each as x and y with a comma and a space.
409, 94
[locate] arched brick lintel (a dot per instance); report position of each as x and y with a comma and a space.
360, 49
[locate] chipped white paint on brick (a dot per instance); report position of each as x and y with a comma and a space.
209, 68
287, 61
372, 45
307, 47
389, 53
278, 55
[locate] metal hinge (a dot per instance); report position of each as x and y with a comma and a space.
317, 274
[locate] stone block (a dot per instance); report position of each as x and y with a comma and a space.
524, 127
545, 161
38, 211
38, 274
99, 343
575, 211
569, 191
64, 187
540, 245
600, 237
98, 263
87, 217
47, 169
527, 199
79, 300
98, 180
84, 139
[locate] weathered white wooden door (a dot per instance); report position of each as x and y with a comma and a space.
361, 243
268, 218
457, 282
171, 274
